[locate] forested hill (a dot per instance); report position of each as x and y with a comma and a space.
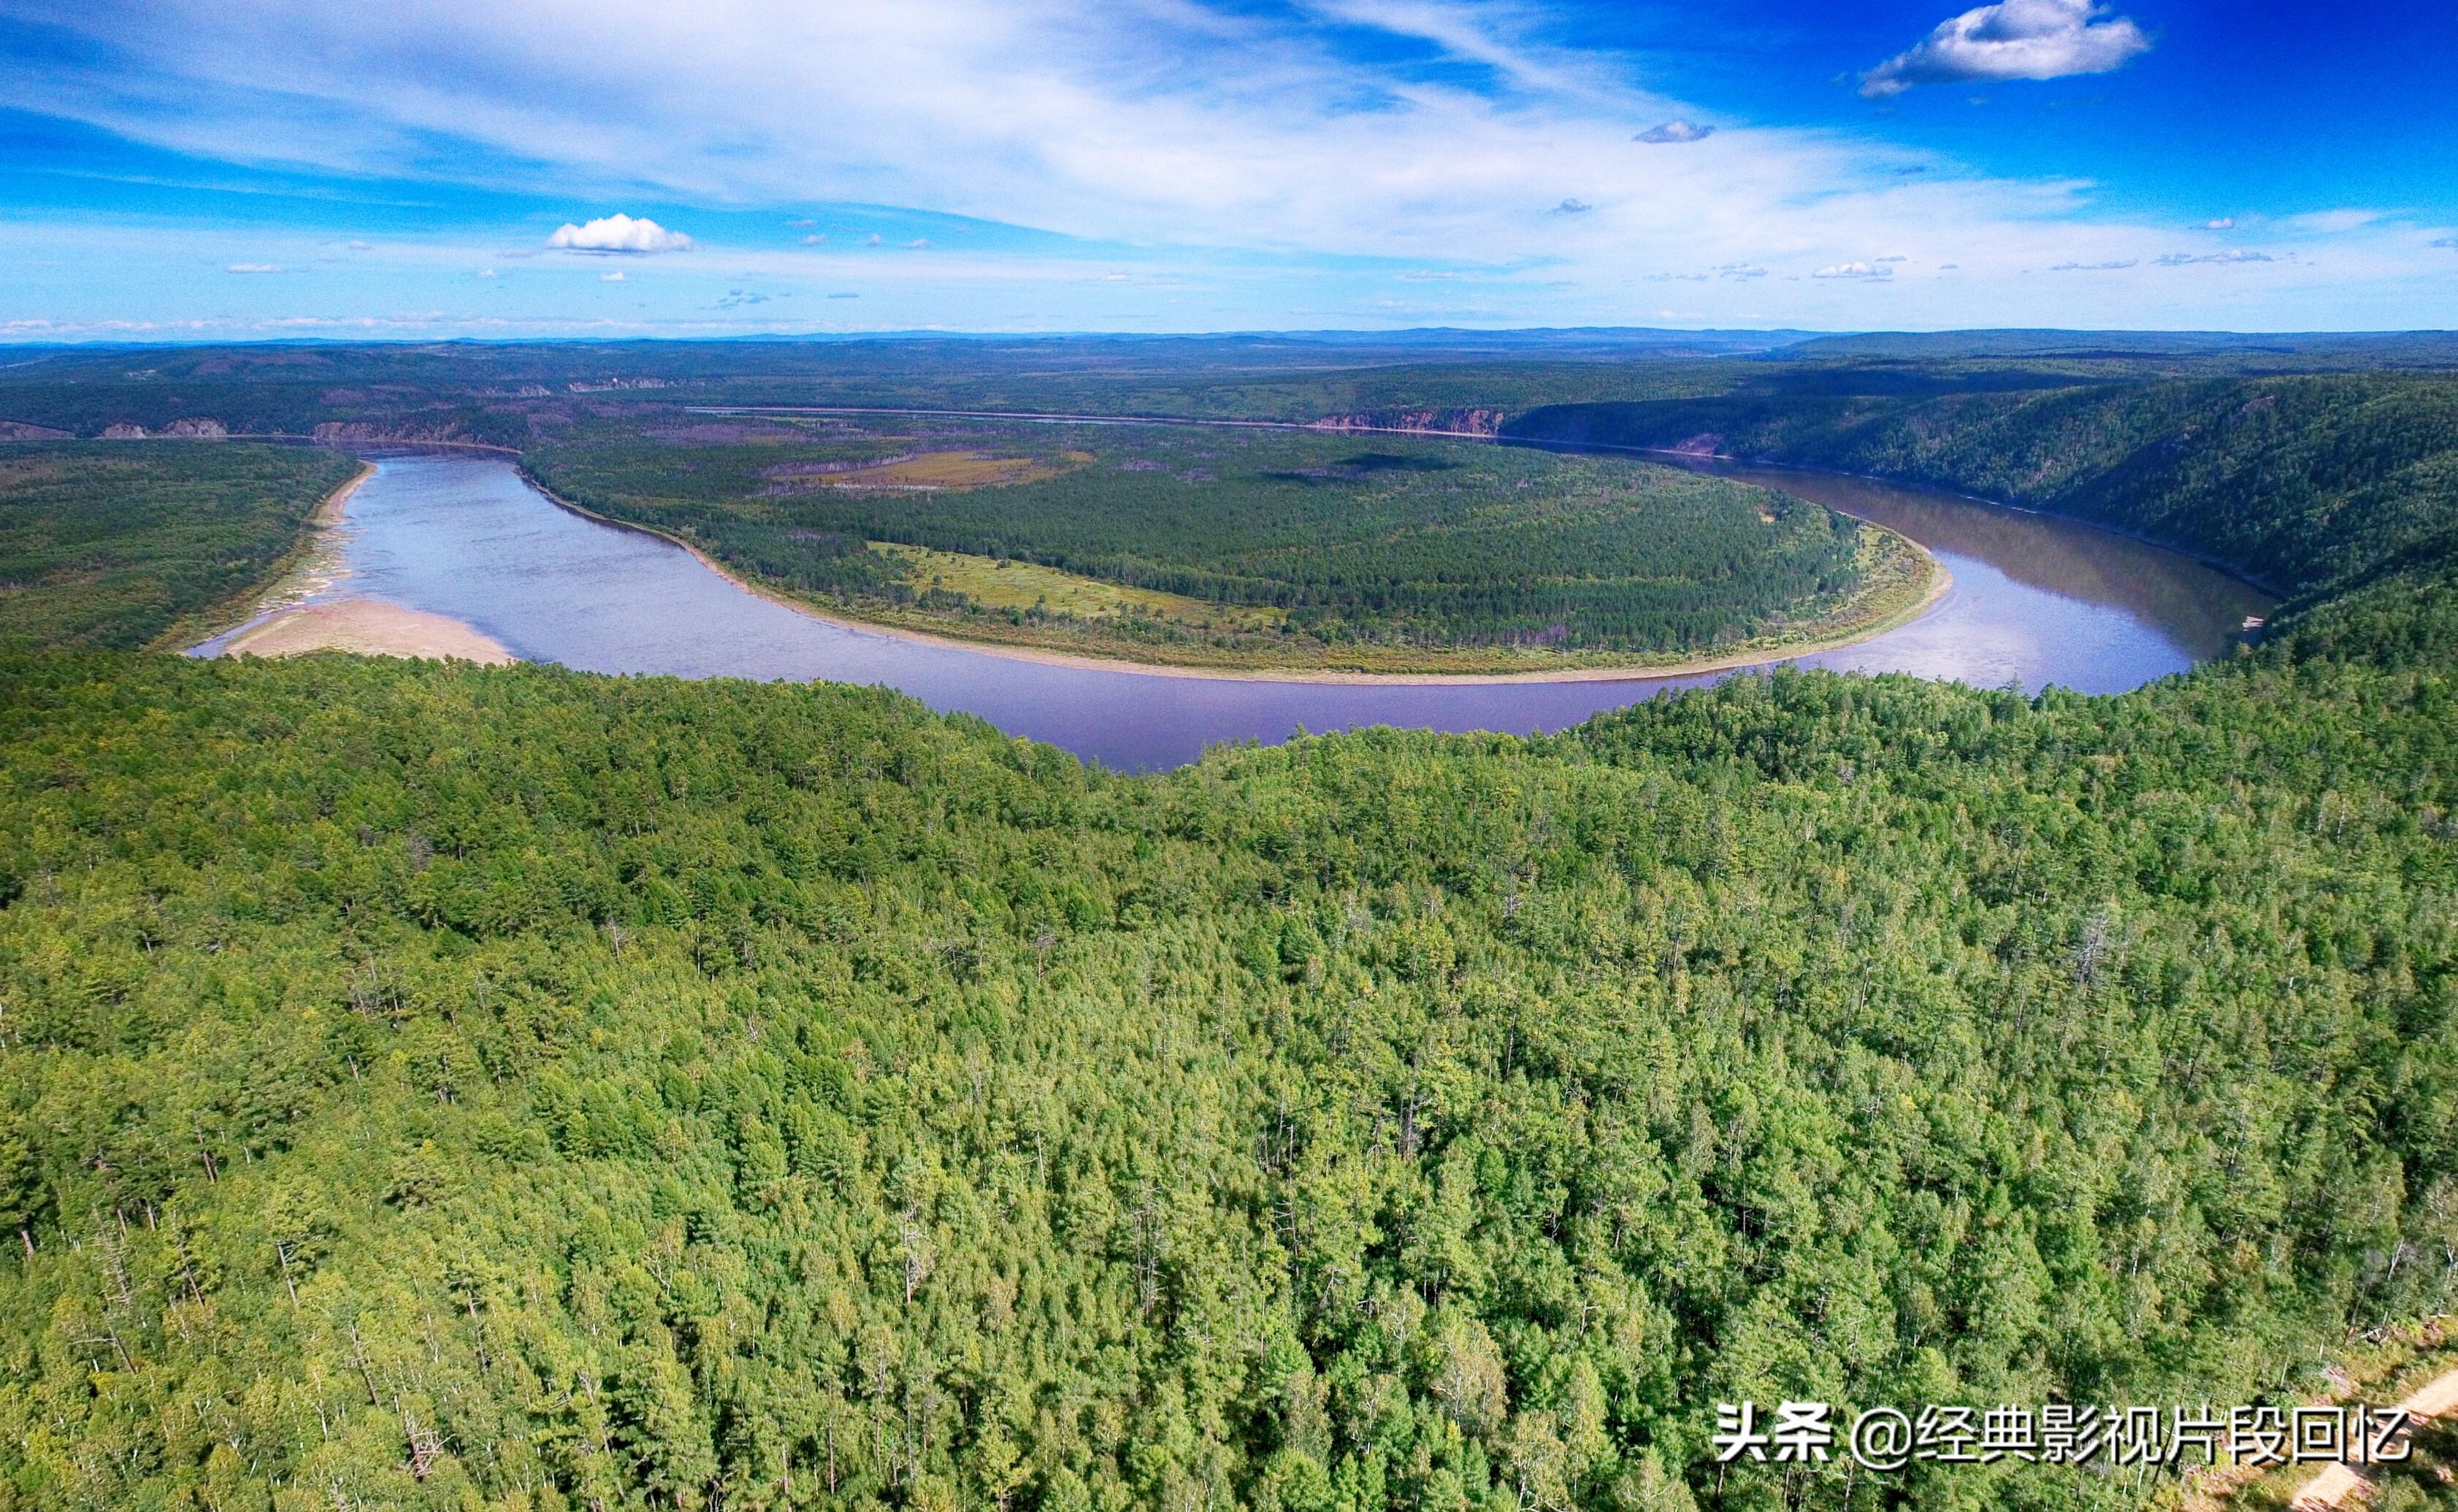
514, 1088
2307, 482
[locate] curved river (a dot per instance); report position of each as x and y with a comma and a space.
2036, 600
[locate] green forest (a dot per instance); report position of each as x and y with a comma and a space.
118, 544
1356, 547
2305, 482
425, 1085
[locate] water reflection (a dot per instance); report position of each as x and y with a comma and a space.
2034, 600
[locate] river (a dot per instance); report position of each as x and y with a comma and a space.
2036, 600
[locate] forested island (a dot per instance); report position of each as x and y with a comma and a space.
1248, 550
423, 1084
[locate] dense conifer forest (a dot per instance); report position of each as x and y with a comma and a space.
427, 1085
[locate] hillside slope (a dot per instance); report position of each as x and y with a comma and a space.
2304, 483
513, 1088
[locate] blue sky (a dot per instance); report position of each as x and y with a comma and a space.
172, 169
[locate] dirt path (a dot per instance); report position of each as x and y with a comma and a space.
2336, 1485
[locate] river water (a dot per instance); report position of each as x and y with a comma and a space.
2036, 600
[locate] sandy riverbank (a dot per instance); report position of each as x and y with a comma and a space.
368, 627
1940, 580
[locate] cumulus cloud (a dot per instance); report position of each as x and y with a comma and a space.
2223, 223
255, 267
358, 246
486, 273
618, 235
2181, 260
1570, 207
1741, 270
1855, 270
2093, 267
1675, 130
2013, 39
610, 277
815, 240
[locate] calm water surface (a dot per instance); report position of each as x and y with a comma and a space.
2035, 601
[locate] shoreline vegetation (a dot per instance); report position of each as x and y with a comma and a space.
312, 563
121, 545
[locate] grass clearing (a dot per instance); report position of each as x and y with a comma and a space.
936, 471
1004, 585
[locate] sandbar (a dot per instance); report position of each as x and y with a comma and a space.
370, 627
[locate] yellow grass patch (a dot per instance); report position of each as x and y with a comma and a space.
1022, 584
934, 471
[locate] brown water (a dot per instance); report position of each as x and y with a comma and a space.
2036, 600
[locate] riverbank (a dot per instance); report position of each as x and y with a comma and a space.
368, 627
311, 566
1910, 605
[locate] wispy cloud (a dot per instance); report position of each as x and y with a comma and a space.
618, 235
616, 276
2093, 267
1185, 137
254, 267
1675, 130
2181, 260
2223, 223
2014, 39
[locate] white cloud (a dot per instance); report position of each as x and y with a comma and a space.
1570, 207
2223, 223
620, 235
917, 244
2013, 39
255, 267
1741, 270
358, 246
2115, 266
815, 240
486, 273
1675, 130
616, 276
1855, 270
